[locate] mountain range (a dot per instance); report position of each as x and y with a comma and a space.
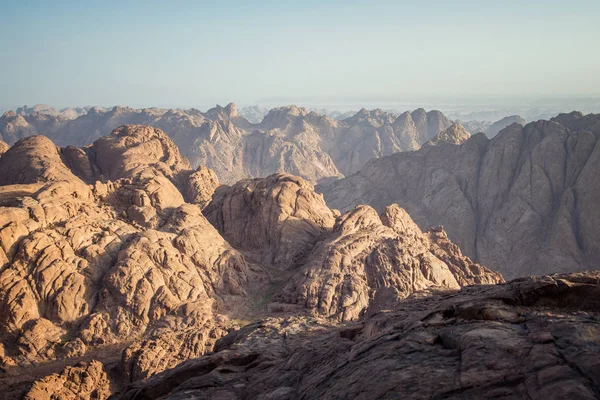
287, 139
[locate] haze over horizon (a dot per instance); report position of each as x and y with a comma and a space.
196, 54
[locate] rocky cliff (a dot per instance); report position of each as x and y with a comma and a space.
522, 203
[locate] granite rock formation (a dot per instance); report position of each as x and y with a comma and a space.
521, 203
531, 338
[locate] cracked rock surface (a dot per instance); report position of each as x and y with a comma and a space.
530, 338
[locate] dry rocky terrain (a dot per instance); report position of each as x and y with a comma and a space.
126, 272
119, 261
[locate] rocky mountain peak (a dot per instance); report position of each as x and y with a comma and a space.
279, 214
231, 110
577, 121
131, 147
38, 108
280, 118
455, 134
376, 117
96, 111
497, 126
223, 113
419, 115
120, 110
32, 160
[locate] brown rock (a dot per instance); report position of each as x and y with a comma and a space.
455, 134
201, 186
3, 147
130, 148
278, 218
362, 256
34, 159
471, 344
84, 381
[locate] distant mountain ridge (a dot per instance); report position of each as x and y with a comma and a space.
287, 139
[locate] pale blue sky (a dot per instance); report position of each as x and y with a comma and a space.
192, 53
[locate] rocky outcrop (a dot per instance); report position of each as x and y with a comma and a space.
3, 147
521, 203
386, 258
85, 381
455, 134
337, 265
530, 338
169, 347
131, 148
200, 186
576, 121
34, 159
278, 218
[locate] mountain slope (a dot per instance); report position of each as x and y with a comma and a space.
522, 202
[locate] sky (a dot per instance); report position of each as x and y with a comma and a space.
196, 53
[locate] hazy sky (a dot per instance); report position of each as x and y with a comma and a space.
186, 53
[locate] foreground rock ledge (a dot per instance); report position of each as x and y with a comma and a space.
534, 338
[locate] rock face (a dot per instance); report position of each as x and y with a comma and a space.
3, 147
201, 186
131, 148
385, 258
522, 203
34, 159
287, 139
531, 338
279, 217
